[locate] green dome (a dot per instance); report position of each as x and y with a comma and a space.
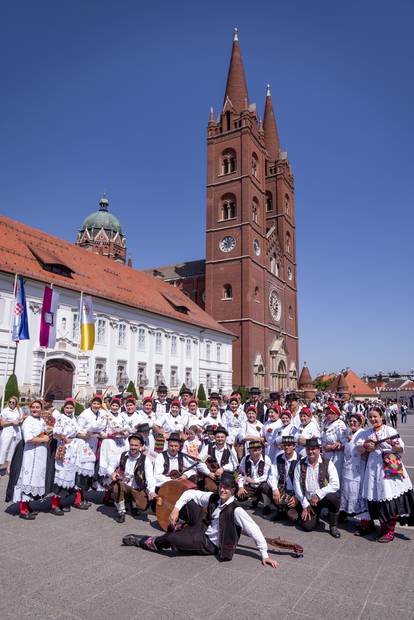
102, 219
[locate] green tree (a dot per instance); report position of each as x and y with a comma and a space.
321, 386
12, 388
131, 389
201, 393
245, 393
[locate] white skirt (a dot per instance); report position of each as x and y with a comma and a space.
9, 439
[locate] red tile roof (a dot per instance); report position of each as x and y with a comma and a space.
349, 382
26, 251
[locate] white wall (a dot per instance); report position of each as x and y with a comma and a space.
173, 338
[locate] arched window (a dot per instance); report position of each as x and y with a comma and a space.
269, 202
228, 162
288, 243
228, 207
255, 211
255, 165
287, 204
227, 291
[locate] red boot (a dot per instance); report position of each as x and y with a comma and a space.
56, 509
24, 512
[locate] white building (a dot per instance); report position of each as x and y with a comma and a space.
145, 331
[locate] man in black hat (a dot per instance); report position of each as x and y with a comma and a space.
254, 401
281, 480
171, 463
215, 399
133, 478
254, 472
161, 404
214, 532
217, 457
316, 485
185, 394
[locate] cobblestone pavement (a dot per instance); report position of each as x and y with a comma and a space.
74, 567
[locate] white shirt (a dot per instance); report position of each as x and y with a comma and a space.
242, 519
171, 424
149, 473
273, 479
230, 466
160, 478
312, 482
254, 471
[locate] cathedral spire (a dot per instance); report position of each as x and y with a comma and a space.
270, 130
236, 87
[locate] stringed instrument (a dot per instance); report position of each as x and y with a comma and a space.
168, 494
285, 544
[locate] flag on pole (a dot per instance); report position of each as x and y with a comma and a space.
48, 320
87, 340
20, 319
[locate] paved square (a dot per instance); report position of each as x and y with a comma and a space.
75, 567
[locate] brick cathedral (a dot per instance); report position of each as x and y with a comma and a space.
247, 281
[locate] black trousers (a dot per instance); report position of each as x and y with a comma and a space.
332, 503
191, 539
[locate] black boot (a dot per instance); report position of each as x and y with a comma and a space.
132, 540
120, 518
333, 525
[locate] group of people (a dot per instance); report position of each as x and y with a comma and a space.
291, 457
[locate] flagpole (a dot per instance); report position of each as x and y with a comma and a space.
42, 393
75, 383
6, 372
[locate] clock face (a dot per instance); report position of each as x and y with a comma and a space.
275, 305
256, 247
227, 244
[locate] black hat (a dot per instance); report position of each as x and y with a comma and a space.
288, 440
227, 477
137, 436
313, 442
50, 397
143, 428
162, 389
255, 390
292, 396
221, 429
209, 428
255, 444
274, 395
185, 390
174, 437
215, 395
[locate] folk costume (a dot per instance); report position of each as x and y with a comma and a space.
234, 423
10, 434
386, 485
320, 479
214, 528
353, 471
89, 423
114, 432
334, 432
65, 431
253, 478
281, 478
166, 463
135, 481
305, 431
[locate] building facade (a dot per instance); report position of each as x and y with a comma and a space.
144, 331
250, 270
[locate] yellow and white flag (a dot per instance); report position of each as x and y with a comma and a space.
87, 327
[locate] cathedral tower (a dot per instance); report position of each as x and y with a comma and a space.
250, 244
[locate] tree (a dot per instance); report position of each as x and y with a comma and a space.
244, 392
12, 388
131, 389
321, 386
201, 393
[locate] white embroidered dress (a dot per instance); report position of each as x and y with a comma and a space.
88, 422
112, 447
65, 469
353, 471
375, 486
332, 433
31, 481
10, 435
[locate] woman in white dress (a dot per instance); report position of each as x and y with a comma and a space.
284, 431
307, 429
114, 438
353, 471
386, 486
333, 436
271, 427
31, 483
11, 419
65, 431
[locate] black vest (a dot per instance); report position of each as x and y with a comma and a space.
280, 464
166, 470
248, 466
229, 532
323, 476
139, 469
212, 453
167, 405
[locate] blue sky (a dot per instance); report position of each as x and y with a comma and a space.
114, 96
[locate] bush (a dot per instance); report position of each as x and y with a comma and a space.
201, 393
79, 408
12, 388
245, 393
131, 389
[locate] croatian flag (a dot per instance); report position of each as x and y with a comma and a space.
20, 319
87, 341
48, 321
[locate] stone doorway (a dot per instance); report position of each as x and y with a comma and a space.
59, 378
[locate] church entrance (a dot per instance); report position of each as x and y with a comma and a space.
59, 378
